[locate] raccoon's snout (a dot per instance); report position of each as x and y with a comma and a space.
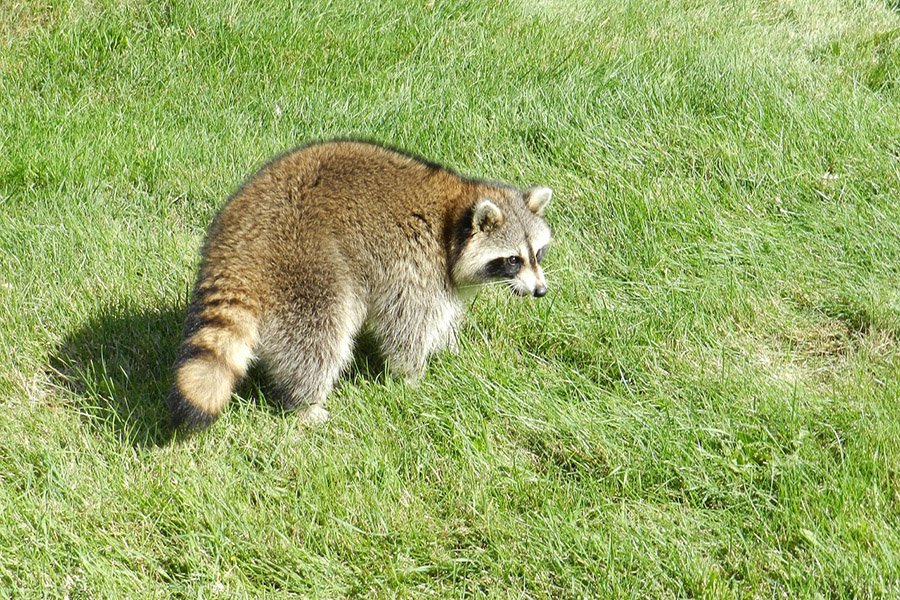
538, 292
522, 288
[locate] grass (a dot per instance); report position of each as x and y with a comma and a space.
706, 403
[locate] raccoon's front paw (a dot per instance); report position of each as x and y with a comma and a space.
411, 377
314, 414
452, 343
413, 381
410, 371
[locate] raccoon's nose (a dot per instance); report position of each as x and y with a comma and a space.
540, 291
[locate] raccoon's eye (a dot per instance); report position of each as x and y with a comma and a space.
540, 254
514, 261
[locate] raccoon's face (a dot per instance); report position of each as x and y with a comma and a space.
507, 242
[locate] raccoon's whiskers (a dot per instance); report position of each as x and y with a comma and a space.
495, 283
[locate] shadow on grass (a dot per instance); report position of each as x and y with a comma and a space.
118, 365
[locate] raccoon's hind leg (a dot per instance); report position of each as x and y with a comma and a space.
306, 345
411, 328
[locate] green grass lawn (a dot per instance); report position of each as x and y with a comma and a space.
706, 404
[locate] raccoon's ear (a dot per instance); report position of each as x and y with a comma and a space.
486, 216
537, 199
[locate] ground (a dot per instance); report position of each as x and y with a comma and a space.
705, 404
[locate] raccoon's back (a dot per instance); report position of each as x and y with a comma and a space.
352, 197
340, 181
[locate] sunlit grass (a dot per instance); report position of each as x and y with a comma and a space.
704, 405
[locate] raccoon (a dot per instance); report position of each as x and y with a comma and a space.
335, 237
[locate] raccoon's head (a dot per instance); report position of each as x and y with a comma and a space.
505, 240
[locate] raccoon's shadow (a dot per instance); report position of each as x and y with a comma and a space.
118, 367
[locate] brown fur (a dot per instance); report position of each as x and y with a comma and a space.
317, 244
